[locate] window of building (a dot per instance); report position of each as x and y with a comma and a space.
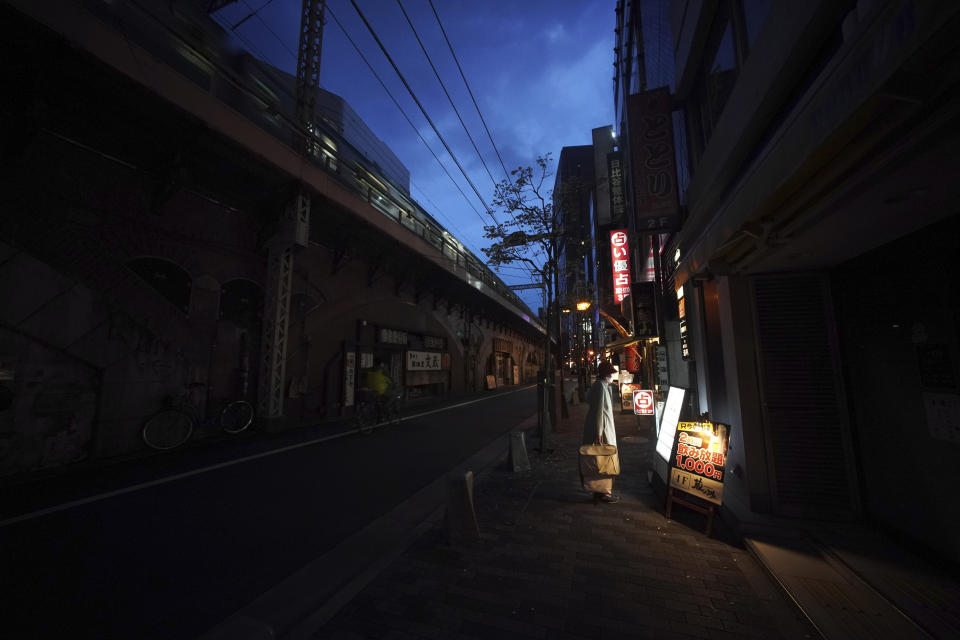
168, 279
719, 77
241, 302
636, 67
715, 80
754, 16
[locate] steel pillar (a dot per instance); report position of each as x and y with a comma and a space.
281, 251
308, 69
275, 322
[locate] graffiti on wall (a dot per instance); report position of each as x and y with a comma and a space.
150, 354
48, 401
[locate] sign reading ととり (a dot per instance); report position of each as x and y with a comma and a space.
657, 204
698, 464
424, 361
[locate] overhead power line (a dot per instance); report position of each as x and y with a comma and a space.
256, 12
463, 76
417, 131
467, 84
251, 48
445, 92
422, 109
438, 211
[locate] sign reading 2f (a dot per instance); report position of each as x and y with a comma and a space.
620, 254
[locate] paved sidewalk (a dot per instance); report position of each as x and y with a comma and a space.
552, 564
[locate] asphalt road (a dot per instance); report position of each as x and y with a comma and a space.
171, 560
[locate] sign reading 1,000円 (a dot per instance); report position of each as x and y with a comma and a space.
699, 459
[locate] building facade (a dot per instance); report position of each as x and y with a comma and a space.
809, 263
574, 205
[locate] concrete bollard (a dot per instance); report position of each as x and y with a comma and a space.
460, 520
518, 452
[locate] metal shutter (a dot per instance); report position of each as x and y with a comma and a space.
805, 421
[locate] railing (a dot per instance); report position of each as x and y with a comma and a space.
393, 202
196, 42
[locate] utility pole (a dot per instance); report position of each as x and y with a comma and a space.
294, 228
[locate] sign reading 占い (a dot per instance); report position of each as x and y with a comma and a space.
643, 402
620, 253
699, 459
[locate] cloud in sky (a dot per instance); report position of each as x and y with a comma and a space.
556, 107
555, 32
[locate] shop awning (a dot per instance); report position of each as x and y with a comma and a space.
621, 344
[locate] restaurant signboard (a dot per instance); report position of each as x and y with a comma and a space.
424, 361
626, 395
698, 463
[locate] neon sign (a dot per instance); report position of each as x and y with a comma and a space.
619, 252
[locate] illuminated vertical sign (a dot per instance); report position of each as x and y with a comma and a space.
668, 422
684, 335
617, 196
619, 252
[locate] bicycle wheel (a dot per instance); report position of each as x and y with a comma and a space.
167, 429
236, 416
366, 418
393, 411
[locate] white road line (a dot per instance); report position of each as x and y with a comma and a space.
144, 485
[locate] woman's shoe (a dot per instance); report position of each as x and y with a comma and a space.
609, 498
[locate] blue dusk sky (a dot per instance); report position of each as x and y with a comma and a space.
540, 70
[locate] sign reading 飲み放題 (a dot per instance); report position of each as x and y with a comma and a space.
699, 460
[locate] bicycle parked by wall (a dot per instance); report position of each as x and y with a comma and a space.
376, 410
173, 425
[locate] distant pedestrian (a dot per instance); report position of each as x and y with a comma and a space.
377, 379
598, 428
378, 382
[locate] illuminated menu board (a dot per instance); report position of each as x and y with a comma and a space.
668, 423
699, 460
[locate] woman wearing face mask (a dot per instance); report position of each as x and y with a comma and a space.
598, 428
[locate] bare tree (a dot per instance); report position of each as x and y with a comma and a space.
530, 236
